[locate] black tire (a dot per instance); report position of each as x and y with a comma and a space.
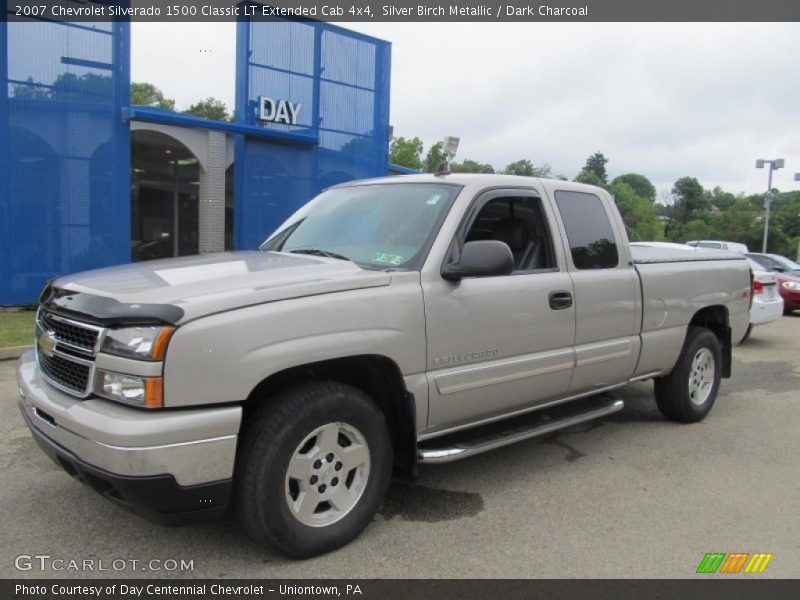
747, 333
673, 391
271, 438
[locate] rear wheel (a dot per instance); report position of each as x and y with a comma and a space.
313, 469
689, 392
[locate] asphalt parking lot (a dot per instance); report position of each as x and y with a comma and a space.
632, 495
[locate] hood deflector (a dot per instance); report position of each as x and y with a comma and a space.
104, 311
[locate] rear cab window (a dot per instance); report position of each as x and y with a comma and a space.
591, 238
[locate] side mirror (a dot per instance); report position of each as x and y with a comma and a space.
481, 258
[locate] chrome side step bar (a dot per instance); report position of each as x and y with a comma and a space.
467, 448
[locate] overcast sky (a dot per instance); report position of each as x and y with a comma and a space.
664, 100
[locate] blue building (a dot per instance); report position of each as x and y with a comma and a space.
87, 180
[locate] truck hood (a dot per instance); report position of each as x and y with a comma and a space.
209, 283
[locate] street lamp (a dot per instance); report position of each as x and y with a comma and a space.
774, 165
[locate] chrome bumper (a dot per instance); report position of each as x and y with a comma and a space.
194, 446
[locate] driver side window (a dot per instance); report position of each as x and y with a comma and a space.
519, 222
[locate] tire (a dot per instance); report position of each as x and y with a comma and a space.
747, 333
688, 393
323, 432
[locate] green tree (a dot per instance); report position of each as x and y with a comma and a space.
526, 168
640, 184
471, 166
690, 200
434, 158
638, 214
696, 229
589, 177
406, 152
721, 199
210, 108
147, 94
596, 164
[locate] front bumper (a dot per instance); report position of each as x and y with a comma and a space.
169, 466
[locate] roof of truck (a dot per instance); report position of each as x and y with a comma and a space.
478, 179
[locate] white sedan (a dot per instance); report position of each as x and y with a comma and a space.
767, 301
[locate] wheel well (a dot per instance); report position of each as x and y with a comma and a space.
715, 319
378, 377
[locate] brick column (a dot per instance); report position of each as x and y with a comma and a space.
212, 195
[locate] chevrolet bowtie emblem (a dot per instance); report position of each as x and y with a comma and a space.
47, 342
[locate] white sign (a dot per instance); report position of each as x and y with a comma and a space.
278, 111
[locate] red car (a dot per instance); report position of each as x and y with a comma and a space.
789, 288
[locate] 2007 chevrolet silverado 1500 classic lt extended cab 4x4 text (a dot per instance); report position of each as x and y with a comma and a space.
387, 322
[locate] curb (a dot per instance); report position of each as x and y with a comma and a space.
13, 352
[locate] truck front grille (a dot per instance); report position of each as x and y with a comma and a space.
65, 351
70, 332
66, 373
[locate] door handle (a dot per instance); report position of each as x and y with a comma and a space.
560, 300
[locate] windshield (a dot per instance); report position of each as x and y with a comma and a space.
376, 226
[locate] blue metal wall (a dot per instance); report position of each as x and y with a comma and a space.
65, 146
341, 78
64, 152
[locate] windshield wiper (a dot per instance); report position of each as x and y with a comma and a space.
318, 252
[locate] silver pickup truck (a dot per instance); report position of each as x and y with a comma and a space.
387, 323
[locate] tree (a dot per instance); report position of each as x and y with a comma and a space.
526, 168
471, 166
406, 152
589, 177
640, 184
690, 199
596, 164
147, 94
210, 108
638, 214
721, 199
434, 158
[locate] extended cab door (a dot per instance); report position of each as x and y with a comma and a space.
499, 344
607, 289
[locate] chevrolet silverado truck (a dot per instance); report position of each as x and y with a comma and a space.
387, 323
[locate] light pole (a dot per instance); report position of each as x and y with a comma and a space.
774, 165
797, 178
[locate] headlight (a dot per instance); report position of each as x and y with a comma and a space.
792, 286
145, 343
130, 389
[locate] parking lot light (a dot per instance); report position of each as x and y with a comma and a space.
774, 165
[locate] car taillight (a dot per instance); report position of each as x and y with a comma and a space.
758, 287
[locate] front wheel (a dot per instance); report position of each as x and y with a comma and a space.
313, 469
689, 392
